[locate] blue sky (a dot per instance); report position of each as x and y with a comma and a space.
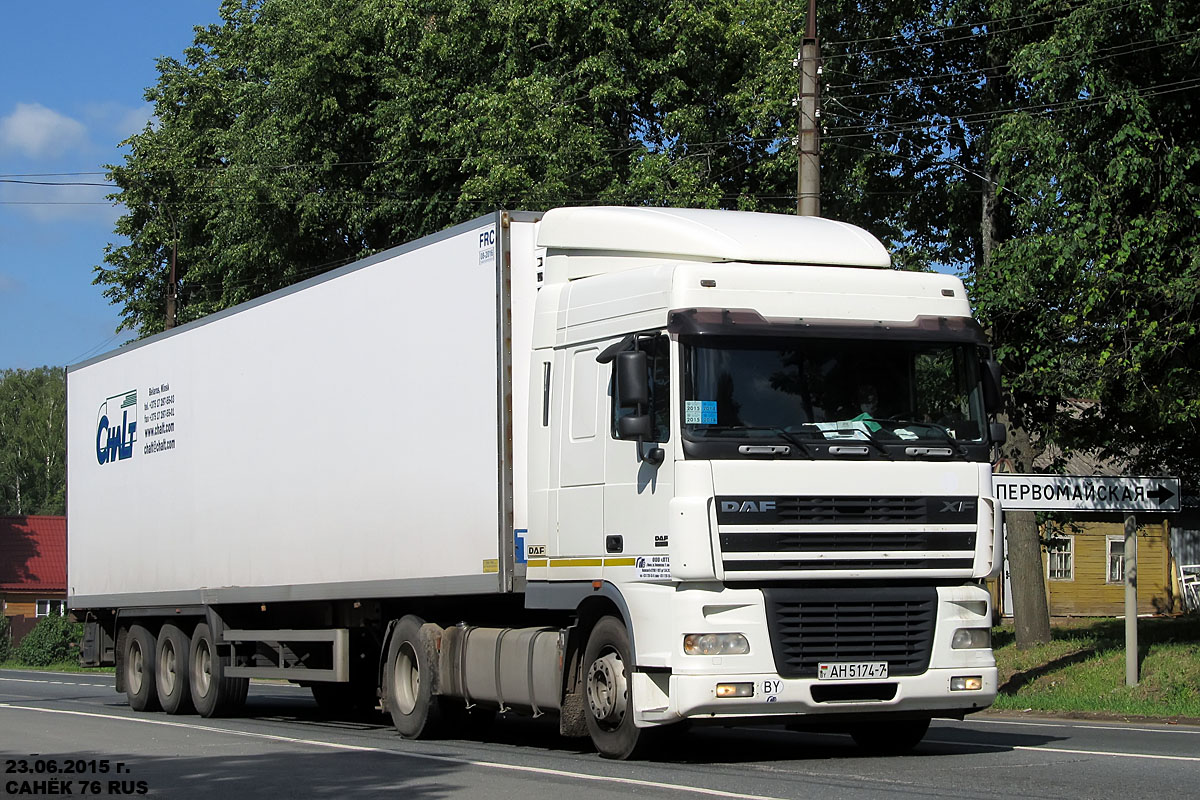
72, 78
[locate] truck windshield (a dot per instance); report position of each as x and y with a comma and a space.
810, 391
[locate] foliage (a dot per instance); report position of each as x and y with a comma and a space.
296, 136
1093, 294
5, 638
55, 638
32, 441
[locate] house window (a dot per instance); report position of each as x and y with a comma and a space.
1116, 559
1060, 561
47, 607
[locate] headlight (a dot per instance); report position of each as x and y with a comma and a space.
715, 644
971, 639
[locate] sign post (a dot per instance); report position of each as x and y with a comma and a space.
1131, 635
1096, 493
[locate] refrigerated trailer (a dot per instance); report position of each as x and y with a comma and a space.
632, 466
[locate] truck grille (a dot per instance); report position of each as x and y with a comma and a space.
845, 510
892, 624
845, 533
844, 541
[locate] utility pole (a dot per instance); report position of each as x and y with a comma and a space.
808, 143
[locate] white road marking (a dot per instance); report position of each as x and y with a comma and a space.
1106, 753
1190, 731
427, 756
60, 683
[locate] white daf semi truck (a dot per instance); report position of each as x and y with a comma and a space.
633, 466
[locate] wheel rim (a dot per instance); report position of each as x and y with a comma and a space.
607, 689
202, 669
407, 679
166, 668
135, 672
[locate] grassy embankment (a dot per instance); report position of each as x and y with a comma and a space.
62, 666
1082, 669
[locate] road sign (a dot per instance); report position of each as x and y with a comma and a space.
1085, 493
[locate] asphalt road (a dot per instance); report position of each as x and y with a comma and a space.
72, 734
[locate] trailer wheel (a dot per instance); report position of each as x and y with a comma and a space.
890, 738
213, 694
171, 670
409, 673
139, 669
608, 665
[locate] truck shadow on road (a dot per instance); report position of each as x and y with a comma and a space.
697, 744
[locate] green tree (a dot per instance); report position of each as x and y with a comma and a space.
296, 136
32, 441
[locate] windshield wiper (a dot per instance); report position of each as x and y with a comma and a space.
901, 422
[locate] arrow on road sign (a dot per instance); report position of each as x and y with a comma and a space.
1162, 494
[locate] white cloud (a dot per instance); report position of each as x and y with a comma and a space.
37, 131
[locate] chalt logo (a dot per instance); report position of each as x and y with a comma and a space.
115, 436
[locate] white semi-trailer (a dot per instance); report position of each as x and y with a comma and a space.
634, 466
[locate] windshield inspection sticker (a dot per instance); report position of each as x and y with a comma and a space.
654, 568
700, 412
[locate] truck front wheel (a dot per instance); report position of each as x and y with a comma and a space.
139, 669
608, 667
408, 677
213, 694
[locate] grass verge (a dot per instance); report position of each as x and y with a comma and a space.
1082, 669
62, 666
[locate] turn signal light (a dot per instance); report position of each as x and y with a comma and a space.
735, 690
966, 683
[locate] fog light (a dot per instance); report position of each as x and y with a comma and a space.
715, 644
966, 683
971, 638
735, 690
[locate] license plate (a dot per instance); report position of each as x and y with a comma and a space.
852, 670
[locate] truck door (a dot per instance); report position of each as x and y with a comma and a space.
637, 490
581, 457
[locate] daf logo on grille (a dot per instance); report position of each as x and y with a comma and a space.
957, 506
747, 506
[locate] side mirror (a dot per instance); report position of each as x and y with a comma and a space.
633, 388
993, 393
998, 433
635, 427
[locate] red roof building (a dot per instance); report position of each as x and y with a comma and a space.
33, 569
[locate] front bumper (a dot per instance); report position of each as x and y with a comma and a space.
694, 696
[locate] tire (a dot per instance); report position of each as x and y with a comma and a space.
409, 680
171, 670
891, 738
608, 667
139, 669
213, 694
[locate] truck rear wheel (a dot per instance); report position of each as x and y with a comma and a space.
213, 694
408, 677
139, 669
890, 738
608, 667
171, 670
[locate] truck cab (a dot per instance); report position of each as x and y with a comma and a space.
765, 456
